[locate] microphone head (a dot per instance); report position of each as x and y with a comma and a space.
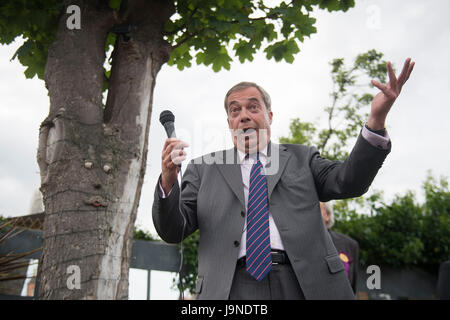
166, 116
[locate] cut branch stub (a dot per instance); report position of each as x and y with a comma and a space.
107, 168
96, 201
88, 164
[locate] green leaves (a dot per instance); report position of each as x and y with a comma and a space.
181, 57
213, 54
190, 253
300, 132
335, 5
403, 232
244, 50
115, 4
239, 28
246, 26
436, 236
217, 56
36, 22
347, 111
282, 50
372, 64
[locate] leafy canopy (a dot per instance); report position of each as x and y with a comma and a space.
206, 30
36, 22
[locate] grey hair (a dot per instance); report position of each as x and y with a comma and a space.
329, 209
244, 85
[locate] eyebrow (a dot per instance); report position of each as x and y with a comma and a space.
249, 99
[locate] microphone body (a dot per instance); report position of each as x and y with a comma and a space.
170, 129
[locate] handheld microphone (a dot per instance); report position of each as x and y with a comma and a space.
167, 119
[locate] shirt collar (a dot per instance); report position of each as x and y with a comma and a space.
262, 152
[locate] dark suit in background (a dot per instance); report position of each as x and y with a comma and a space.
348, 251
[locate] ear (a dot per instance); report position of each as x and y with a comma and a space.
270, 117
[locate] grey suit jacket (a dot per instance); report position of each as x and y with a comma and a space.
212, 200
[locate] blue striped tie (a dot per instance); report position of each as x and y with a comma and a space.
258, 256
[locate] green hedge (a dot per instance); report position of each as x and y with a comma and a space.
402, 233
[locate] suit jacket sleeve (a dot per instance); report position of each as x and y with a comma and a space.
348, 179
173, 220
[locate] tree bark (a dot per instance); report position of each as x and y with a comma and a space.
93, 158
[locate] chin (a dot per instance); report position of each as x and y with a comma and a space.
251, 144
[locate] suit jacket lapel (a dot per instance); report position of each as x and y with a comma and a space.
230, 169
278, 157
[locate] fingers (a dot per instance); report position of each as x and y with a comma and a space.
173, 153
395, 85
406, 72
403, 75
380, 86
392, 77
174, 141
411, 67
176, 157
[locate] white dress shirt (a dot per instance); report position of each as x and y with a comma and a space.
246, 167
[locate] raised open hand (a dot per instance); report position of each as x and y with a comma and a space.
383, 101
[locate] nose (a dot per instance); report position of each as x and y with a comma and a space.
244, 116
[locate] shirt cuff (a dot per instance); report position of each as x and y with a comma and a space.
162, 194
377, 140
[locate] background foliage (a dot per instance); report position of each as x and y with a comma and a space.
350, 99
208, 32
403, 232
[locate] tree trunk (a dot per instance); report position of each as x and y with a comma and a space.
93, 158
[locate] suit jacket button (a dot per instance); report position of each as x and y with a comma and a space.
242, 213
236, 243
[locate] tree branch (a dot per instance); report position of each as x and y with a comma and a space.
184, 26
188, 37
330, 117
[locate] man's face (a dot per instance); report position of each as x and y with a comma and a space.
249, 120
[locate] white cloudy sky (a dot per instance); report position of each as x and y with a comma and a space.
418, 124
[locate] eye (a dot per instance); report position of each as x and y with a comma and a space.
253, 107
234, 109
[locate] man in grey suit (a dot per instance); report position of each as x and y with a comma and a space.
273, 192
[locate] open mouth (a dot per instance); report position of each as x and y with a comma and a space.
248, 131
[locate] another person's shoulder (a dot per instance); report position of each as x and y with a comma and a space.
343, 237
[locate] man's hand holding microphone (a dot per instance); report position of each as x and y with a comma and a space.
172, 154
